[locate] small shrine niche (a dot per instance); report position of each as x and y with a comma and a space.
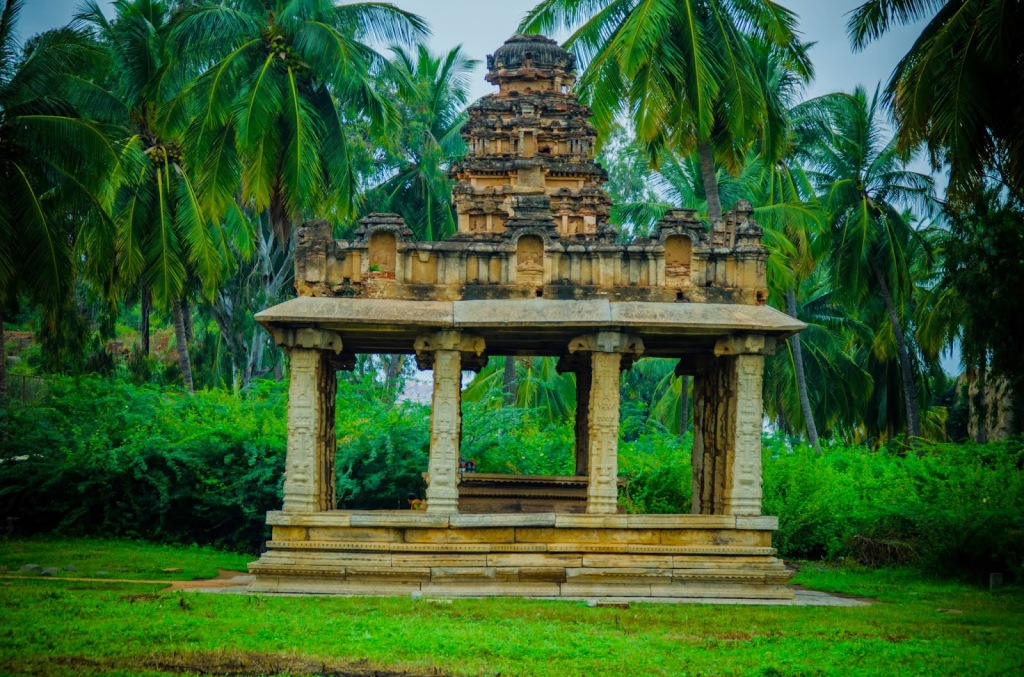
383, 252
678, 254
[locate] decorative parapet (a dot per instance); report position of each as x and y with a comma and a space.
682, 262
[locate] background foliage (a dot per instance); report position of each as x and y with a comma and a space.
106, 458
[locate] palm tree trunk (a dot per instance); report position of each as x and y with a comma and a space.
801, 377
184, 362
186, 315
684, 404
280, 224
508, 384
909, 387
395, 365
145, 306
982, 405
707, 170
3, 362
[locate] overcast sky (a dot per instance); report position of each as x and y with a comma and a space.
482, 25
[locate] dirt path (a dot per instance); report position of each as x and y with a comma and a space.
224, 579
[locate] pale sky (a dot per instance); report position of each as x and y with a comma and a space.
482, 25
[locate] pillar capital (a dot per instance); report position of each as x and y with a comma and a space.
470, 346
608, 342
750, 344
307, 337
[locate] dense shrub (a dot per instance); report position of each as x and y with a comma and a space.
955, 509
108, 458
383, 449
515, 441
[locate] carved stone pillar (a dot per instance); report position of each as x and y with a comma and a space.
443, 353
727, 428
606, 351
581, 366
309, 465
583, 381
743, 473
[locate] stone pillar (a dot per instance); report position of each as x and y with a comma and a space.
606, 351
309, 465
726, 453
443, 353
582, 428
580, 365
743, 472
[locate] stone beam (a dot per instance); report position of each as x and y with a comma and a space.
309, 464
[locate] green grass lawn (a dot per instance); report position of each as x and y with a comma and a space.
54, 626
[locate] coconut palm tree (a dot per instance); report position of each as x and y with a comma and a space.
684, 70
864, 186
540, 387
432, 92
283, 81
949, 90
165, 236
53, 165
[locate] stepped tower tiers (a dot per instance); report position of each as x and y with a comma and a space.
534, 269
531, 148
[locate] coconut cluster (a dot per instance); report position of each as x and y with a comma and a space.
163, 154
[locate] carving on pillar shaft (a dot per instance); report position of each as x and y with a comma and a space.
609, 352
603, 434
584, 377
445, 431
743, 469
309, 465
444, 352
726, 454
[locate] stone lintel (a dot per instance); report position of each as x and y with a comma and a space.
750, 344
307, 337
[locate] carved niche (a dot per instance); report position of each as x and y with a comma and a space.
530, 260
383, 252
678, 256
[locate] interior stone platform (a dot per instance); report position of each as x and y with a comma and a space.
529, 555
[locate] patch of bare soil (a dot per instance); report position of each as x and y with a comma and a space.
225, 579
870, 600
227, 663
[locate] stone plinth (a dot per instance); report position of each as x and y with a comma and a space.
537, 555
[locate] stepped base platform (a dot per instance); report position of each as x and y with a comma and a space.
388, 553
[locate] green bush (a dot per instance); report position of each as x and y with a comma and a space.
107, 458
955, 509
383, 448
656, 466
516, 441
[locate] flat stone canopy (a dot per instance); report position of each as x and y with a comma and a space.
537, 326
